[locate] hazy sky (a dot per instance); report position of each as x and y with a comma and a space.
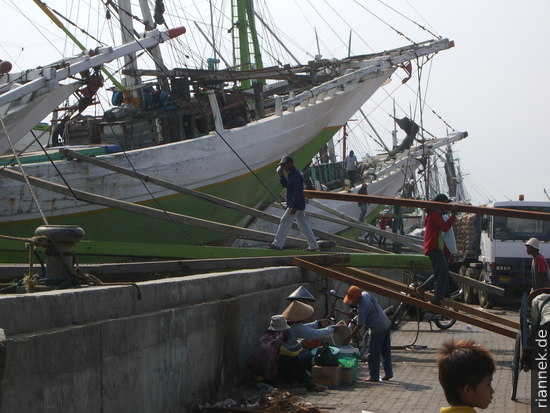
494, 83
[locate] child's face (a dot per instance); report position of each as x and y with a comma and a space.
480, 395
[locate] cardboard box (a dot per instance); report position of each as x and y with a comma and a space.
327, 376
347, 376
349, 369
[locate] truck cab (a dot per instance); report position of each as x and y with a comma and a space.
503, 259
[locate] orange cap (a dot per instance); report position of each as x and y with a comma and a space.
353, 294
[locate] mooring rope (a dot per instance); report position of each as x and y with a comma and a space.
31, 281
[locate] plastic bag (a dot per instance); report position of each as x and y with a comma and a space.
324, 357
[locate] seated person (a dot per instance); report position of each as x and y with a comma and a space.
265, 357
294, 360
540, 306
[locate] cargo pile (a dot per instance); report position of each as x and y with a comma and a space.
464, 230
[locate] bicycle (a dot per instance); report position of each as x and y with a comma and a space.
441, 321
350, 318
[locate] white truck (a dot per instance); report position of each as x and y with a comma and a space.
492, 249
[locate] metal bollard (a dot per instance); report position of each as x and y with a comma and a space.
59, 246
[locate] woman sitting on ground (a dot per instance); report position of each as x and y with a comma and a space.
294, 360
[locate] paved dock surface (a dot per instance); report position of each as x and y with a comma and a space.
415, 386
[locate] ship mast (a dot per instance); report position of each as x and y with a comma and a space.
242, 15
150, 24
130, 61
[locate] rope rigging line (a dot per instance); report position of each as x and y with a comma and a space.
275, 198
409, 19
428, 24
36, 27
327, 23
351, 28
157, 202
387, 24
70, 22
27, 182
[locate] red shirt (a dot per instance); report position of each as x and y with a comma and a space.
541, 265
433, 233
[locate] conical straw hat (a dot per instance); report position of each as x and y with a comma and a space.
298, 311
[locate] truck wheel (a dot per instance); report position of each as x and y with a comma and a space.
485, 299
470, 296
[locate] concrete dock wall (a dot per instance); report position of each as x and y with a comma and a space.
162, 347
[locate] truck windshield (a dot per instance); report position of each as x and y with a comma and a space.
505, 228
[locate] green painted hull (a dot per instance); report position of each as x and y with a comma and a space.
116, 226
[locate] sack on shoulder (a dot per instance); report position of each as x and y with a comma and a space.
324, 357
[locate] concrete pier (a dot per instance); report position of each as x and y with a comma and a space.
103, 349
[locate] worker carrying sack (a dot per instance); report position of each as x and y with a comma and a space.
325, 358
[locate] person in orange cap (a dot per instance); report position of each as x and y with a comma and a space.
371, 315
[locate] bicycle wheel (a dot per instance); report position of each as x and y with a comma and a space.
398, 315
515, 366
362, 344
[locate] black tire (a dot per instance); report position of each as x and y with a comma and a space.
515, 366
485, 299
470, 297
398, 315
445, 322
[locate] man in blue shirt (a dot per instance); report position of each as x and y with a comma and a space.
372, 316
295, 206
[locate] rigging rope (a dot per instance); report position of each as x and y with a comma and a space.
387, 24
409, 19
35, 199
31, 280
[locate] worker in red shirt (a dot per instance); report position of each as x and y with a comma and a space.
539, 266
435, 228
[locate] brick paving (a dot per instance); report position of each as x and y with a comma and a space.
415, 387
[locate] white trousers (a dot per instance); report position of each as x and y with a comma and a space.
303, 224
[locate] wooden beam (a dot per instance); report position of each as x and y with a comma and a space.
417, 203
396, 285
372, 287
410, 242
493, 289
403, 261
206, 197
148, 211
